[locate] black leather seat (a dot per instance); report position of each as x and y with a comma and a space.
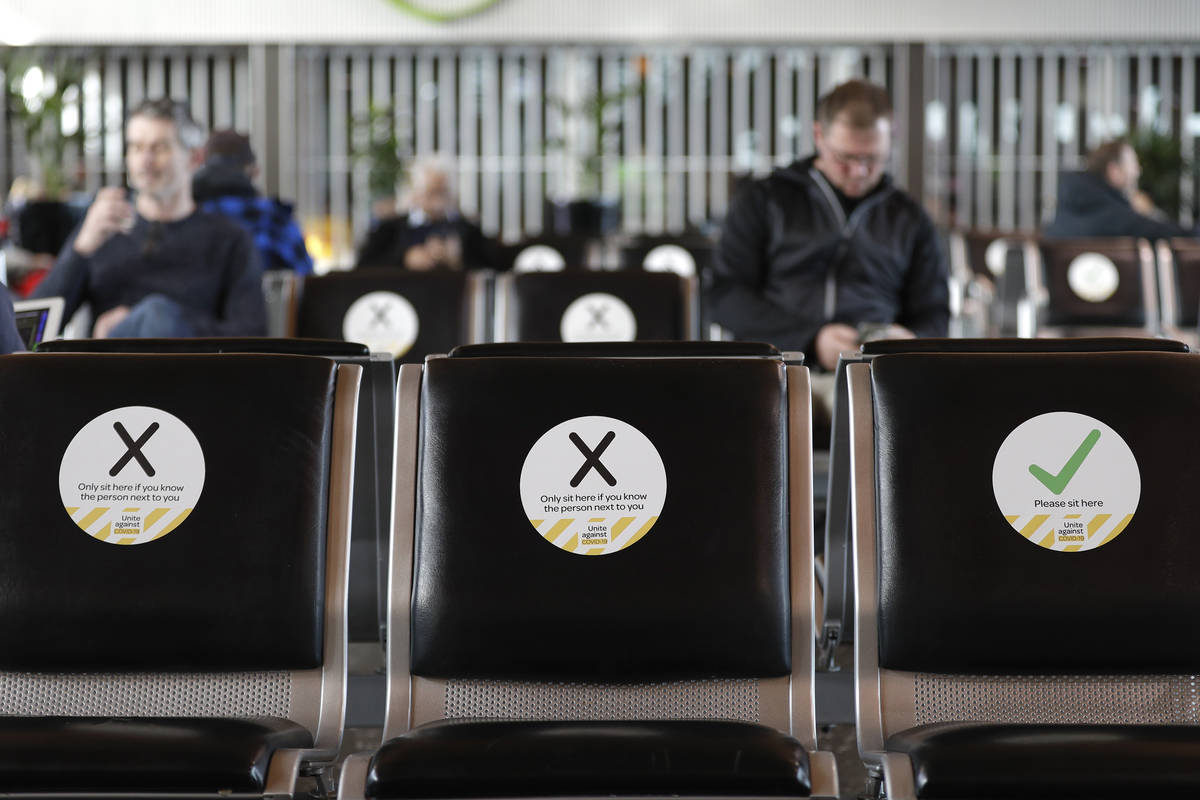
557, 645
595, 306
838, 589
407, 314
1023, 535
1179, 287
372, 454
1093, 287
173, 561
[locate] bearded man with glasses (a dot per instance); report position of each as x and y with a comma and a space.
827, 252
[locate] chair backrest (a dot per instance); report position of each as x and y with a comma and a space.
608, 554
408, 314
838, 595
595, 306
1179, 283
684, 255
1095, 282
373, 449
545, 253
169, 548
1024, 550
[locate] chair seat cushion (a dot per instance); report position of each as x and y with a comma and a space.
51, 754
509, 759
978, 760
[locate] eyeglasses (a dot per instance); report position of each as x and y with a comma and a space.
867, 162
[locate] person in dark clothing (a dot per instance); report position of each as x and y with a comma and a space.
433, 234
158, 266
818, 253
224, 185
1104, 200
10, 339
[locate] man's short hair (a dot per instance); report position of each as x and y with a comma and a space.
229, 146
1107, 153
859, 103
187, 130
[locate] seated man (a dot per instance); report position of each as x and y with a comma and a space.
10, 339
827, 251
432, 234
224, 185
1104, 199
157, 266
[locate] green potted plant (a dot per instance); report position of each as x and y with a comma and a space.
44, 98
1163, 165
380, 147
590, 128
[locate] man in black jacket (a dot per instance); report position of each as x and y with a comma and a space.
827, 248
1104, 199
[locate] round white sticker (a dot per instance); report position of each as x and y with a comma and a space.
1066, 481
593, 485
539, 258
598, 317
996, 256
1093, 277
383, 321
131, 475
670, 258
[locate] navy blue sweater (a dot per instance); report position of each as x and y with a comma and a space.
204, 262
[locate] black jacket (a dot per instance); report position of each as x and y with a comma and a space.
790, 261
1089, 206
389, 240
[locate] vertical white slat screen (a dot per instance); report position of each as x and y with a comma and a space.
653, 163
1068, 98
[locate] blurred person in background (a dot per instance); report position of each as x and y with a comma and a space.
153, 264
827, 252
431, 233
225, 185
10, 339
1104, 199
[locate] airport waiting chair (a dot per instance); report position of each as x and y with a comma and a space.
546, 253
1090, 287
987, 280
372, 460
280, 288
837, 595
594, 590
1179, 288
684, 255
595, 307
408, 314
1025, 560
173, 560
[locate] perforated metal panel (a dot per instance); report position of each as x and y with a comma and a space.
716, 699
1073, 699
252, 694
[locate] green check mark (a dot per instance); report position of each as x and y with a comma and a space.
1057, 483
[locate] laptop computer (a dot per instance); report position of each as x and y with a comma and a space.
38, 320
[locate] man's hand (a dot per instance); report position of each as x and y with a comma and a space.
419, 258
109, 214
109, 320
832, 340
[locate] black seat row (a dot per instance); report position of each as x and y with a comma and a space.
1077, 287
414, 314
599, 572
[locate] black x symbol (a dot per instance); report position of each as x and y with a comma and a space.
135, 449
381, 315
593, 459
597, 313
